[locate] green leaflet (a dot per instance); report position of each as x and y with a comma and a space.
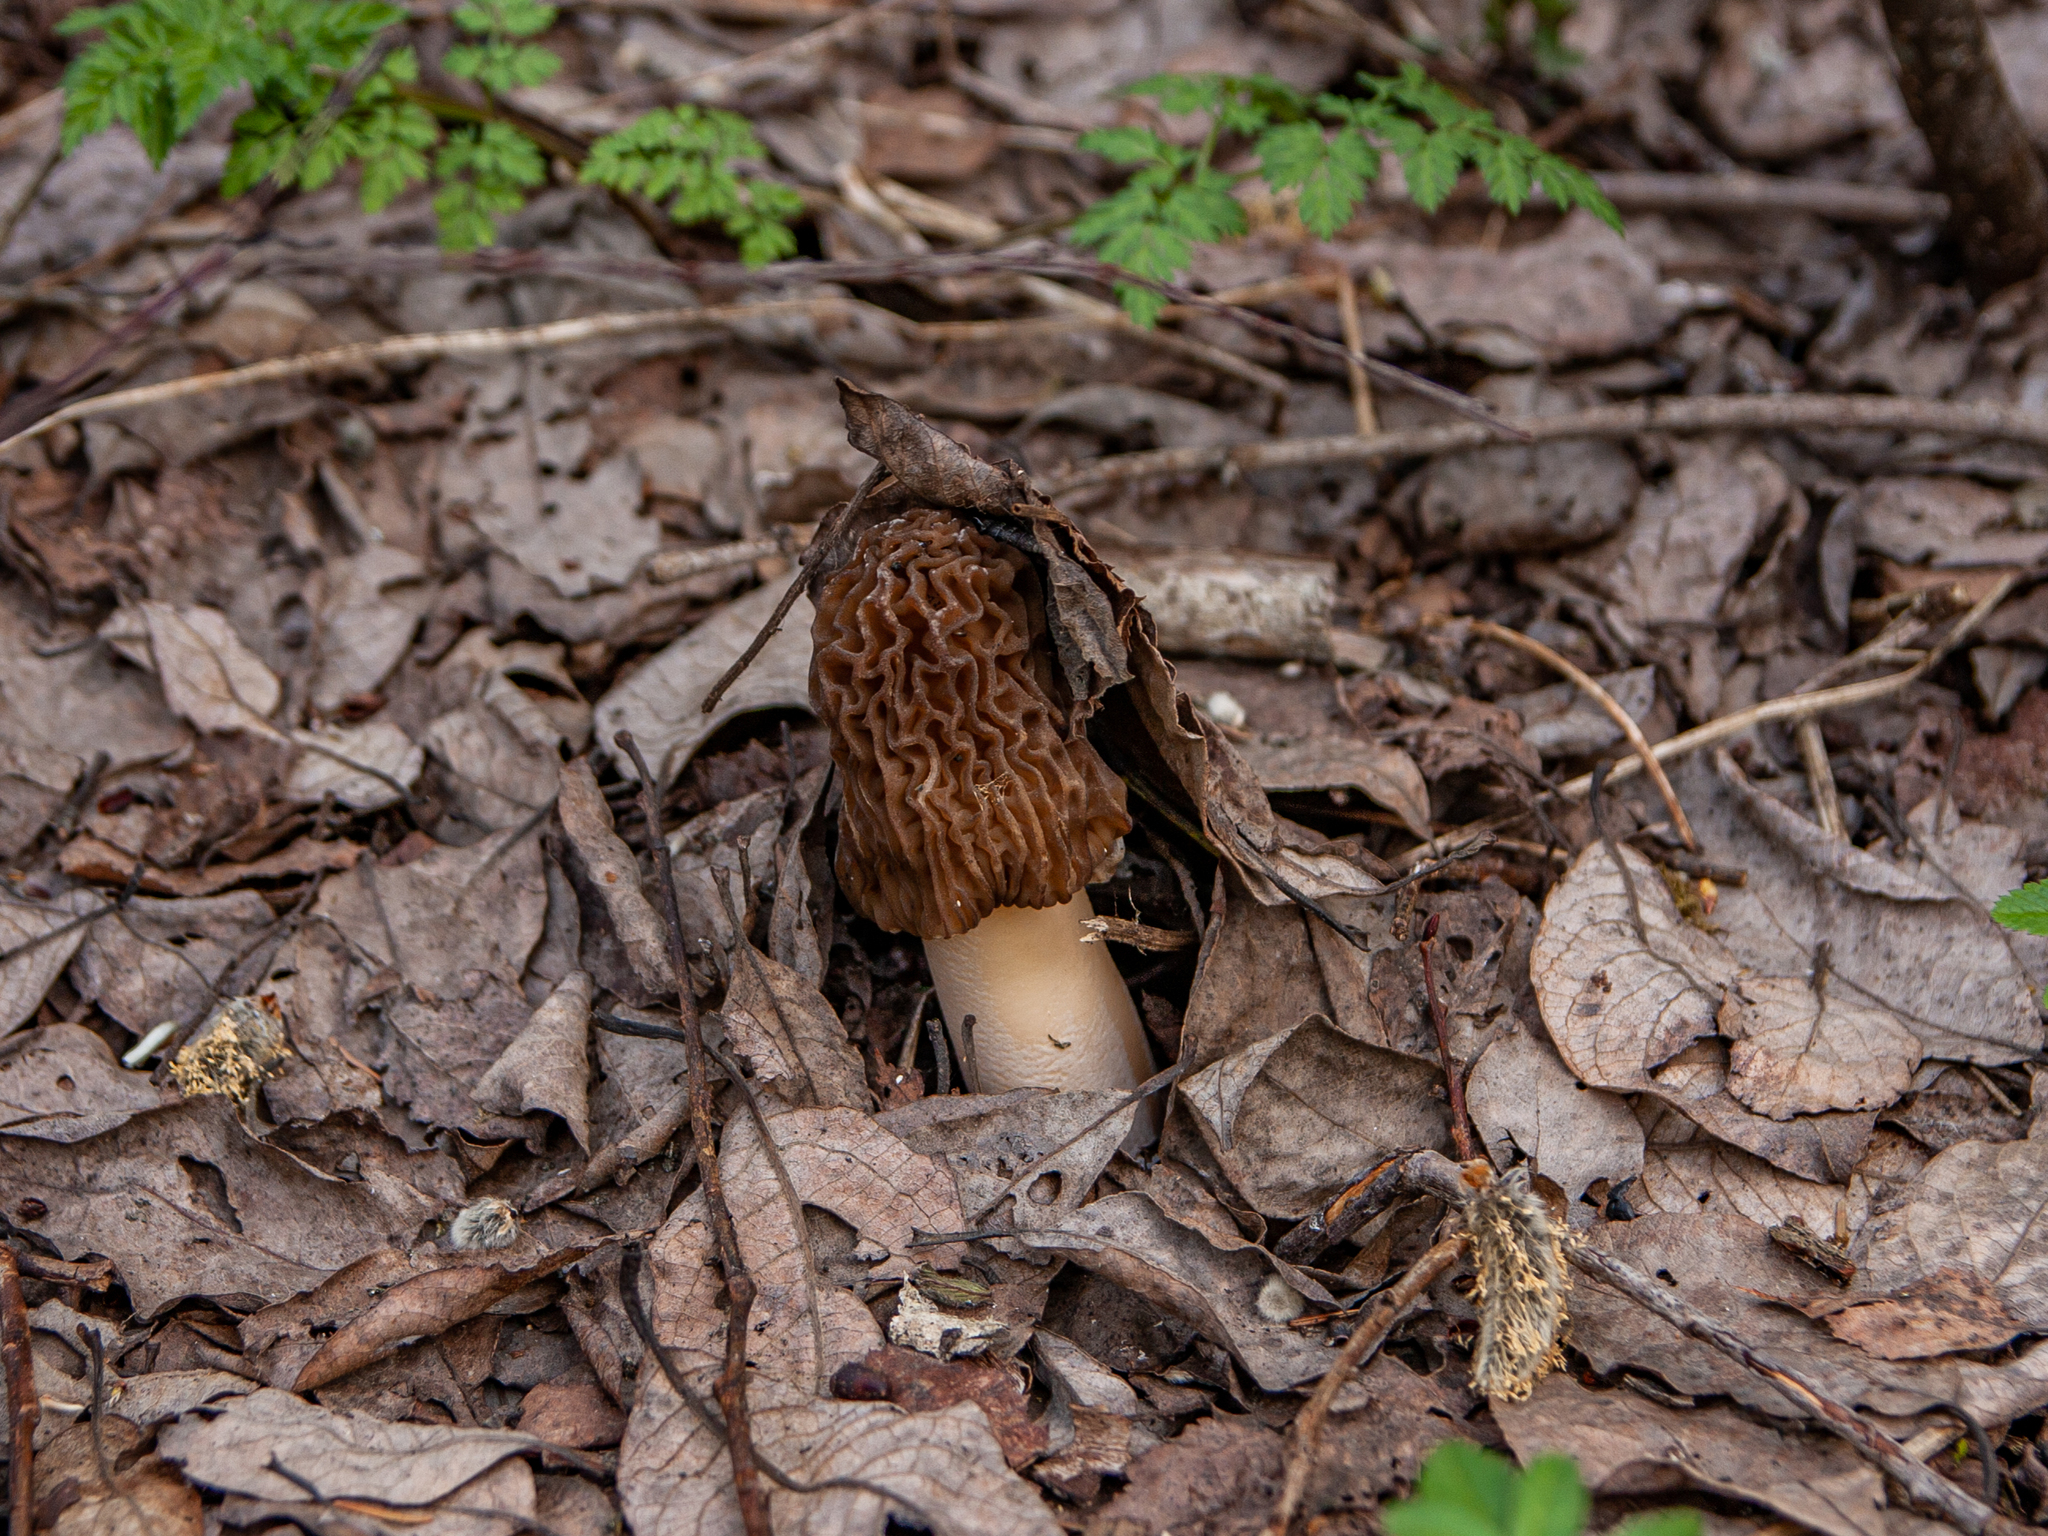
1328, 150
1465, 1490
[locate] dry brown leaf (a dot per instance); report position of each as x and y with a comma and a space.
1024, 1159
1691, 1091
805, 1326
335, 761
447, 914
547, 1066
37, 951
1952, 1309
208, 675
1977, 1208
1521, 1096
1902, 938
659, 702
187, 1203
921, 1384
157, 960
1624, 1443
786, 1031
1726, 1268
674, 1479
1620, 1001
1384, 774
624, 944
345, 1455
148, 1499
1707, 1176
87, 858
1293, 1119
1129, 1239
1218, 1475
62, 1083
423, 1307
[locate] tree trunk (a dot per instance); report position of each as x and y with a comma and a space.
1984, 162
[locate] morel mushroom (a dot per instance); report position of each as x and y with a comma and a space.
971, 817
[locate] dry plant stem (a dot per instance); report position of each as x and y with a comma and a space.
731, 1391
1354, 338
486, 342
22, 1408
94, 1274
1606, 701
1799, 706
1434, 1174
1820, 777
1454, 1082
1712, 413
1036, 259
1745, 192
1367, 1337
718, 85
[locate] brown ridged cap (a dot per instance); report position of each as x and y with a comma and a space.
961, 795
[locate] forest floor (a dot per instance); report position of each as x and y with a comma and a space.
309, 692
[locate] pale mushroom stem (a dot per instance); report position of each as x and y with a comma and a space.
1049, 1011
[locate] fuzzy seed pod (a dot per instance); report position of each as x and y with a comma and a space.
484, 1224
1522, 1284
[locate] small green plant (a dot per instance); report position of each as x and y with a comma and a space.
1326, 149
1466, 1490
159, 64
2025, 909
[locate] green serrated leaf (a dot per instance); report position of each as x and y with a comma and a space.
1549, 1499
1465, 1476
1125, 146
1432, 168
1662, 1522
2025, 909
1178, 95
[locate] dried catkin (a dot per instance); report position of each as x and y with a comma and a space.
1522, 1285
241, 1043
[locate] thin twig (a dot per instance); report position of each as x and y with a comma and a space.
1454, 1082
721, 82
1820, 777
1354, 337
1681, 414
23, 1410
739, 1283
813, 552
1607, 702
1797, 706
1367, 1337
34, 190
486, 341
1037, 259
96, 1352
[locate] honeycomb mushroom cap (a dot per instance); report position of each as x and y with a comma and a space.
962, 791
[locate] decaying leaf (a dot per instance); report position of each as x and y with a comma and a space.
148, 1496
62, 1083
1521, 1096
1623, 1441
230, 1446
37, 950
546, 1067
789, 1034
1726, 1268
946, 1468
1294, 1118
1976, 1208
187, 1202
1952, 1309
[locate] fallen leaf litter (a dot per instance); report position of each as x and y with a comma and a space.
311, 784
